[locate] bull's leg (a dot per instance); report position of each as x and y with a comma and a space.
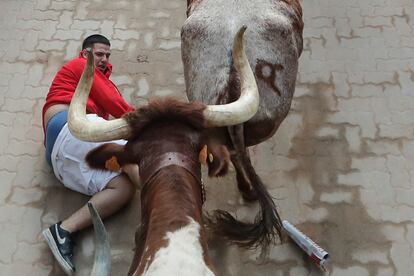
239, 157
243, 181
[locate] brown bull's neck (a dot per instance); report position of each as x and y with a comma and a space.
150, 167
168, 200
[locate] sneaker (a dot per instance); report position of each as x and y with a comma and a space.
61, 244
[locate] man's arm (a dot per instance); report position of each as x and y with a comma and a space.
105, 95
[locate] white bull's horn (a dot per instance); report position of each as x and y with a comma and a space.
247, 105
102, 263
79, 125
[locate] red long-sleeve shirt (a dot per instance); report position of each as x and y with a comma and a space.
104, 99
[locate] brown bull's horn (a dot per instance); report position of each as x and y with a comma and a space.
102, 263
79, 125
247, 105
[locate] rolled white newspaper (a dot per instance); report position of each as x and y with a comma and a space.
318, 255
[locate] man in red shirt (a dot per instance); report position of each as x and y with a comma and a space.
66, 155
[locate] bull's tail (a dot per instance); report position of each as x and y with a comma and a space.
267, 226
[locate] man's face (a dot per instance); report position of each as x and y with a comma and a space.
101, 53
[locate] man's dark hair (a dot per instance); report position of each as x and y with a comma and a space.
92, 39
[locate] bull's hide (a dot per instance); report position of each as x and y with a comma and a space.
273, 45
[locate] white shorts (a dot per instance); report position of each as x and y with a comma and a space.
70, 167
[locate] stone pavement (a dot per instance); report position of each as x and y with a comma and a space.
341, 167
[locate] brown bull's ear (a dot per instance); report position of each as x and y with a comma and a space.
112, 164
218, 160
108, 156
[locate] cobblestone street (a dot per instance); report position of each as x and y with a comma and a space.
340, 167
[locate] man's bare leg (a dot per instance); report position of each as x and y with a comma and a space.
119, 191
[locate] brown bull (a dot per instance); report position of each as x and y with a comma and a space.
273, 46
165, 139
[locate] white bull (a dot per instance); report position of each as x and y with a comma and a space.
273, 45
